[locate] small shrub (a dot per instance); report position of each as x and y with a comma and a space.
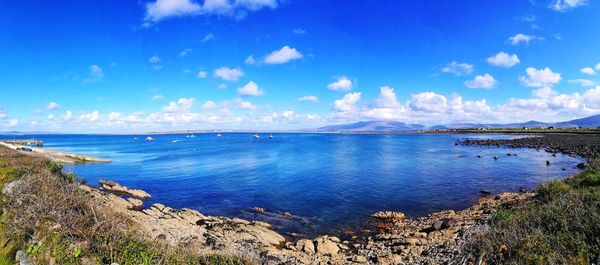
551, 190
590, 179
6, 260
53, 167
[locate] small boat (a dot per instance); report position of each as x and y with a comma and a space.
174, 141
256, 136
149, 139
219, 135
270, 136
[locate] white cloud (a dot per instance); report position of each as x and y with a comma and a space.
250, 89
167, 8
503, 59
522, 38
89, 117
157, 97
347, 103
342, 83
309, 98
185, 52
540, 78
162, 9
68, 116
12, 123
583, 82
53, 106
387, 98
208, 37
154, 59
283, 55
458, 68
228, 74
485, 81
565, 5
2, 114
597, 67
299, 31
250, 60
182, 105
202, 75
588, 70
96, 74
209, 105
428, 102
239, 103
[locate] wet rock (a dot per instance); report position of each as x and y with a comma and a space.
580, 166
485, 192
287, 215
258, 210
548, 163
388, 215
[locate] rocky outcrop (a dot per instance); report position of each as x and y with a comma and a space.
118, 188
388, 215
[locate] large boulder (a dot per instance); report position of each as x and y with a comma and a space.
306, 246
388, 215
118, 188
325, 246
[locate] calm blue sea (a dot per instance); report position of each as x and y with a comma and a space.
327, 181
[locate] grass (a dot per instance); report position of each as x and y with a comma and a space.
560, 226
53, 221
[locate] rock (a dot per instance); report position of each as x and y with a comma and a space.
258, 210
388, 215
263, 224
547, 163
485, 192
136, 204
10, 187
522, 189
159, 206
495, 158
287, 215
442, 224
306, 246
359, 259
118, 188
326, 247
22, 258
580, 166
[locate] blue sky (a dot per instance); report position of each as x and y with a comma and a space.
131, 66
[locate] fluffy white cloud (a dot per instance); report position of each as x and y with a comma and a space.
182, 105
503, 59
283, 55
522, 38
565, 5
457, 68
209, 105
68, 116
342, 83
228, 74
485, 81
154, 59
347, 103
2, 114
202, 75
89, 117
583, 82
540, 78
53, 106
167, 8
387, 98
588, 70
428, 102
157, 97
250, 89
161, 9
597, 67
309, 98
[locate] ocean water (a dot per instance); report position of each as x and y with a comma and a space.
328, 182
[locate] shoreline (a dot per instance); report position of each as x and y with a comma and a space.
56, 156
438, 236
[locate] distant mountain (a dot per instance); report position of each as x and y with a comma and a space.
373, 126
391, 126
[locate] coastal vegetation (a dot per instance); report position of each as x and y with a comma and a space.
48, 219
561, 224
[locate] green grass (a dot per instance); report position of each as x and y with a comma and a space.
560, 226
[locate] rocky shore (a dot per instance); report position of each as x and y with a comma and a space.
434, 239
